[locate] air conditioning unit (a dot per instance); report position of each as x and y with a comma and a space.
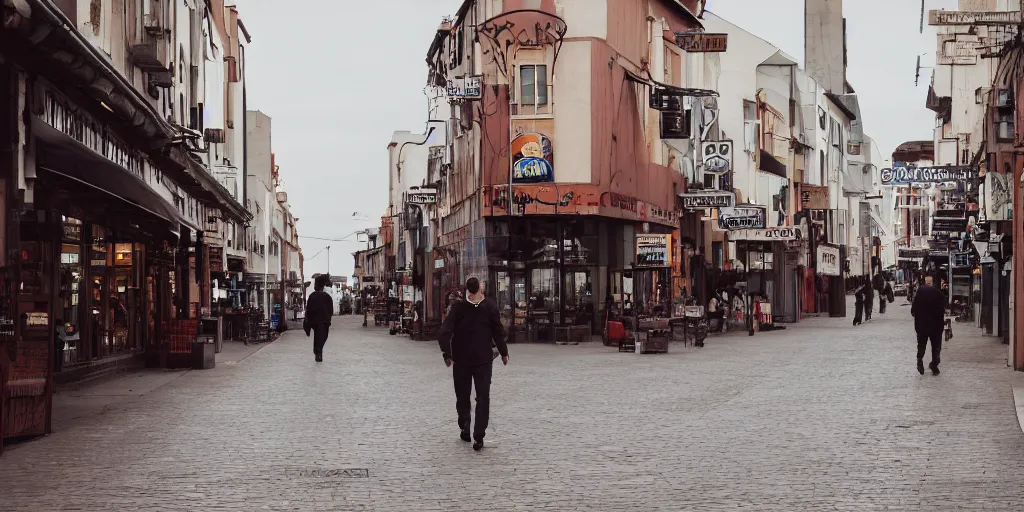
214, 135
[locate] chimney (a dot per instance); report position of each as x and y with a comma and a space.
825, 43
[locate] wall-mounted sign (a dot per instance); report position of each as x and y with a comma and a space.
767, 235
717, 156
708, 199
905, 175
998, 190
828, 260
421, 198
532, 159
912, 254
62, 115
702, 42
936, 17
813, 197
653, 250
957, 49
466, 87
744, 216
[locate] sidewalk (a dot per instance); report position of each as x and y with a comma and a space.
79, 404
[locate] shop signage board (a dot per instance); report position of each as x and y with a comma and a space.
938, 17
953, 225
828, 260
744, 216
702, 42
717, 156
912, 254
466, 87
813, 197
708, 199
424, 198
939, 174
653, 250
62, 115
787, 233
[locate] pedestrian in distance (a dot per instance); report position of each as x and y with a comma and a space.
869, 300
929, 310
469, 335
886, 297
319, 310
858, 305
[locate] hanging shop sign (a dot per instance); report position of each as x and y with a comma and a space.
937, 17
702, 42
813, 197
949, 224
717, 156
912, 254
708, 199
743, 216
653, 250
424, 198
466, 87
532, 159
998, 190
908, 175
828, 260
788, 233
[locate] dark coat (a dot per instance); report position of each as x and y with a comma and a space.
468, 332
929, 310
319, 308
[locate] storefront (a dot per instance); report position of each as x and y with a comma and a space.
769, 272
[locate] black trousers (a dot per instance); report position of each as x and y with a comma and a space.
881, 305
922, 343
869, 304
320, 337
465, 377
717, 315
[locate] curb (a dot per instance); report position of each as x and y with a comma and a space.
1018, 402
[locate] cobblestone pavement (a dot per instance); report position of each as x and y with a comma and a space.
821, 416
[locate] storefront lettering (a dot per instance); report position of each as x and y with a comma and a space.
908, 175
768, 235
828, 260
743, 217
622, 202
78, 125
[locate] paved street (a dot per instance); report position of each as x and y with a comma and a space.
821, 416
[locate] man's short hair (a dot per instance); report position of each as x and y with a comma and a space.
320, 283
929, 280
473, 285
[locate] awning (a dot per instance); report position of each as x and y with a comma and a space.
878, 222
670, 89
100, 186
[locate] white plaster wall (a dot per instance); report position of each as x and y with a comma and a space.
572, 137
737, 81
584, 18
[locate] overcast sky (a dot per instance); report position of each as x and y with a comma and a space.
339, 76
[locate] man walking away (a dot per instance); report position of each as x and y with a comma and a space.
869, 300
886, 297
466, 340
858, 305
319, 310
929, 311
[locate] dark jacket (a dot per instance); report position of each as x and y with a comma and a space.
878, 282
319, 308
468, 332
929, 310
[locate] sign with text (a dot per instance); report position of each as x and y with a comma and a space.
421, 198
767, 235
828, 261
466, 87
936, 17
813, 197
949, 224
708, 199
702, 42
906, 175
744, 216
653, 250
912, 254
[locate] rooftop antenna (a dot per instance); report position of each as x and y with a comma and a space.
921, 28
917, 70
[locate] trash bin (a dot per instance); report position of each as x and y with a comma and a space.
213, 328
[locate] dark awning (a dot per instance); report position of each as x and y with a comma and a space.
93, 176
671, 89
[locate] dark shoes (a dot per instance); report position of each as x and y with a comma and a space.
319, 358
464, 435
920, 367
478, 444
935, 369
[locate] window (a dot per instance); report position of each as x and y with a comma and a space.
533, 85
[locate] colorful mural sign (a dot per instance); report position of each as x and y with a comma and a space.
532, 159
570, 198
653, 250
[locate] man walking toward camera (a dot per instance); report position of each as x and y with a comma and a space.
929, 312
468, 336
